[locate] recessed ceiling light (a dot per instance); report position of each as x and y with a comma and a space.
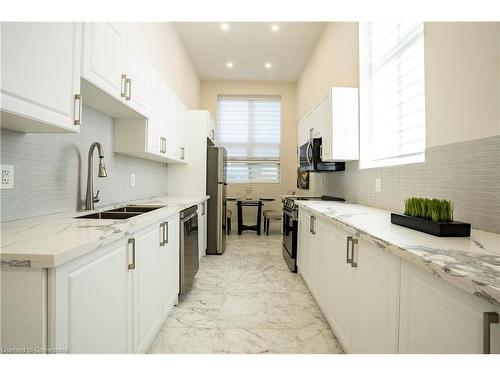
229, 64
275, 27
268, 65
224, 26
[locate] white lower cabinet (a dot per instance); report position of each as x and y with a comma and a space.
340, 313
90, 303
111, 300
146, 276
170, 266
437, 317
376, 302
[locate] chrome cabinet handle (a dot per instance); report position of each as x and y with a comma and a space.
123, 86
164, 145
161, 145
354, 241
183, 153
203, 209
162, 234
489, 318
78, 109
347, 259
165, 231
131, 241
312, 225
321, 151
128, 83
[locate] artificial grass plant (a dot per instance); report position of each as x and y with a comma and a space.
437, 210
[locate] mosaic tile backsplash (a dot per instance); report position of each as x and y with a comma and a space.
468, 173
51, 170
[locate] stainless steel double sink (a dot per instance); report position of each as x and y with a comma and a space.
121, 213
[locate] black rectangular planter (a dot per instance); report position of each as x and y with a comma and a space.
450, 229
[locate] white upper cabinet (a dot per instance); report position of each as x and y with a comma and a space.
40, 70
335, 120
104, 58
211, 134
137, 83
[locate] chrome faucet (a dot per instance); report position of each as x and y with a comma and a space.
90, 199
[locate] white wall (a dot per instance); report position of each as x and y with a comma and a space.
287, 92
462, 80
462, 62
334, 61
160, 43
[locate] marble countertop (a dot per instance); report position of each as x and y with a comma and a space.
471, 263
51, 240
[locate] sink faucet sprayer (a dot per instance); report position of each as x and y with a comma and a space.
90, 199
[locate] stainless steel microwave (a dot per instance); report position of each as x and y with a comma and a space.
310, 158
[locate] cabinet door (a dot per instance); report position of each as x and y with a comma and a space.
147, 287
436, 317
319, 271
92, 302
183, 128
155, 118
138, 87
40, 70
324, 126
375, 300
341, 308
172, 124
170, 266
104, 58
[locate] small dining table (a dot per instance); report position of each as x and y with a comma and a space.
249, 202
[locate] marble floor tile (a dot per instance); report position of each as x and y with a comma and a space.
274, 341
247, 301
176, 340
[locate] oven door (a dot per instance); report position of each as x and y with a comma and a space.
289, 233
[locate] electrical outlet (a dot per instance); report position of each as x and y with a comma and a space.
132, 179
7, 177
378, 185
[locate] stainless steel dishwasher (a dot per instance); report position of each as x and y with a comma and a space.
189, 260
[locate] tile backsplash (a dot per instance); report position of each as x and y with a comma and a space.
51, 170
468, 173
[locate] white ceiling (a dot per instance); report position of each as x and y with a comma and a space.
249, 45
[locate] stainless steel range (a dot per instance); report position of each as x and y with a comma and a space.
290, 226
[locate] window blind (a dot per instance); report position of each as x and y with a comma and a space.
395, 89
250, 129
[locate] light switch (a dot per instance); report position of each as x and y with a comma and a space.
7, 177
378, 185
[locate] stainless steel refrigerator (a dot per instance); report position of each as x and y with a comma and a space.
217, 206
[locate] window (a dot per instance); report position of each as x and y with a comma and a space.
250, 128
392, 94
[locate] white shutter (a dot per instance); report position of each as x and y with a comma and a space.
249, 128
393, 86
